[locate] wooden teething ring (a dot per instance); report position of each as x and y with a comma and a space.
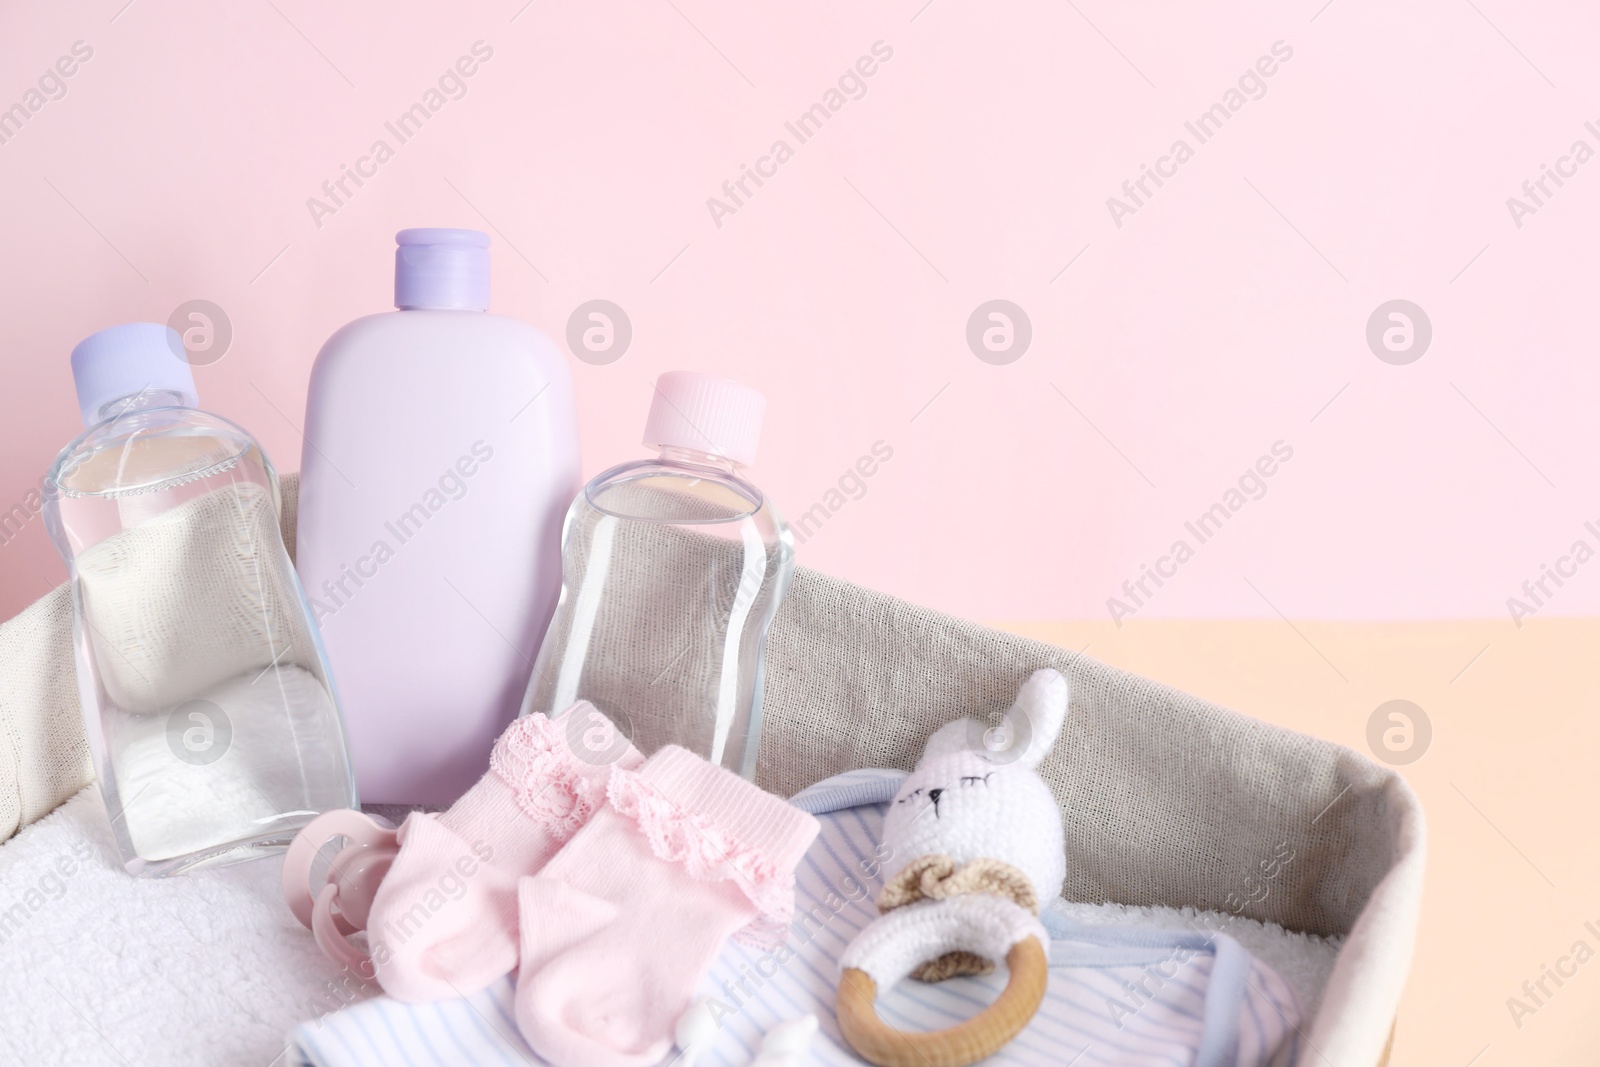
968, 1042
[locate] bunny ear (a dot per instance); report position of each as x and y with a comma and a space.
1037, 716
1029, 732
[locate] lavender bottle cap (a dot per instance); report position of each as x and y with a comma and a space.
441, 268
129, 360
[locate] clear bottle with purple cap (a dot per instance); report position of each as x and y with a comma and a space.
210, 714
672, 571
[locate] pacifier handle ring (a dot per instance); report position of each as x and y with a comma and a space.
965, 1043
331, 931
358, 870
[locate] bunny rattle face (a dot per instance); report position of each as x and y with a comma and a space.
975, 793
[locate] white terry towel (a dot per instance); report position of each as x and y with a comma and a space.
100, 968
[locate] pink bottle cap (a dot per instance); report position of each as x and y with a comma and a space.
706, 414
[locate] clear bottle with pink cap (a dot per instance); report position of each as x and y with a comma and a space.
672, 571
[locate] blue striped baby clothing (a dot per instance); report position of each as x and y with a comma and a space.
1117, 997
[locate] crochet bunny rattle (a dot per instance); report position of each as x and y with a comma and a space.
977, 849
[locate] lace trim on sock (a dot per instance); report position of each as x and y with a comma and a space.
534, 759
709, 854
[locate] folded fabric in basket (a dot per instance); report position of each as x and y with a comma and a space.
1117, 995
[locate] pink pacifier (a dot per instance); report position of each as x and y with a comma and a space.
340, 906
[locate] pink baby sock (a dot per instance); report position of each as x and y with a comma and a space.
444, 921
621, 925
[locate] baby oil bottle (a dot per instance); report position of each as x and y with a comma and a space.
207, 702
673, 568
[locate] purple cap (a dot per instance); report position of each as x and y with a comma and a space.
127, 360
441, 268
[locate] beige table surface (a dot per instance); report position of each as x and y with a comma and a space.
1508, 781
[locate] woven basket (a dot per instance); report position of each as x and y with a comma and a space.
1166, 799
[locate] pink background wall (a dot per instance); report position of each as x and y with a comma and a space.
1227, 313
